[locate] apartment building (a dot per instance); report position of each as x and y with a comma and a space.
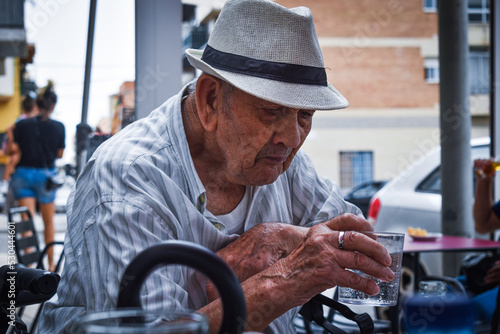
383, 56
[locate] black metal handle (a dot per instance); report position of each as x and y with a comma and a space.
32, 286
196, 257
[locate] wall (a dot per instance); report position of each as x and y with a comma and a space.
369, 18
381, 77
10, 106
397, 137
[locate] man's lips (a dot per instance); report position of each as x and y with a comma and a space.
278, 159
275, 156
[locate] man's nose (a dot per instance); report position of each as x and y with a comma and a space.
289, 131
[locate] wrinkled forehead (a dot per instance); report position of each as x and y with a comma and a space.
233, 93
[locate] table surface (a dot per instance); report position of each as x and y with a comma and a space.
449, 243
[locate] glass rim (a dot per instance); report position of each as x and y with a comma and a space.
87, 321
388, 234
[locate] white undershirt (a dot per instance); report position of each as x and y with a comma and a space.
235, 220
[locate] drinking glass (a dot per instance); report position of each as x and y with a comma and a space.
138, 321
388, 295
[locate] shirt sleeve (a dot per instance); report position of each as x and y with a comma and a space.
108, 235
109, 246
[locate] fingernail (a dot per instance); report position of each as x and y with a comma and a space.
389, 273
388, 258
375, 290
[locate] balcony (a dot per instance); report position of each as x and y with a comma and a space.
12, 32
196, 38
479, 35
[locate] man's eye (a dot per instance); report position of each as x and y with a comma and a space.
307, 114
273, 111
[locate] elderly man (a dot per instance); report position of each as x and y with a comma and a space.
219, 165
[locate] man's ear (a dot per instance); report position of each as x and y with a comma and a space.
207, 90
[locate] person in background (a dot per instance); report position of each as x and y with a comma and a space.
486, 211
39, 141
486, 220
29, 109
219, 165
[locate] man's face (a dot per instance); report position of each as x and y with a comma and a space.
258, 138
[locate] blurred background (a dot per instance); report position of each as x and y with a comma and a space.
114, 61
382, 55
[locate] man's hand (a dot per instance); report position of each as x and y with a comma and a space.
485, 220
283, 266
263, 245
258, 249
493, 275
484, 168
318, 264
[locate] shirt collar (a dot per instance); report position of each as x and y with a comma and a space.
197, 191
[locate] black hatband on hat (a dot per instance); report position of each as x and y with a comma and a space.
299, 74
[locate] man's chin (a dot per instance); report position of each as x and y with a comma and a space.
266, 176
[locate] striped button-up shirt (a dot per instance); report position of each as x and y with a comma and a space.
141, 188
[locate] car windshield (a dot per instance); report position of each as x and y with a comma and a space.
432, 183
366, 191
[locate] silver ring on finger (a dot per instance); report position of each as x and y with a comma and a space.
341, 240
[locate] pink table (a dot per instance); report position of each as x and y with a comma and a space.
445, 243
449, 244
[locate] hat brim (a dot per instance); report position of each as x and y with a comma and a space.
300, 96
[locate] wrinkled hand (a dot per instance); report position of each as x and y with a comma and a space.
258, 249
493, 275
318, 264
483, 168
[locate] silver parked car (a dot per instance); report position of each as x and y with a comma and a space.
413, 199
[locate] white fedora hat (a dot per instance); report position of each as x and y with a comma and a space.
271, 52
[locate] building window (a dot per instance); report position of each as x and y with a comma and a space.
429, 6
479, 11
431, 66
479, 72
356, 167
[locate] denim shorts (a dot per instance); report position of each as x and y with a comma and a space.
30, 182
